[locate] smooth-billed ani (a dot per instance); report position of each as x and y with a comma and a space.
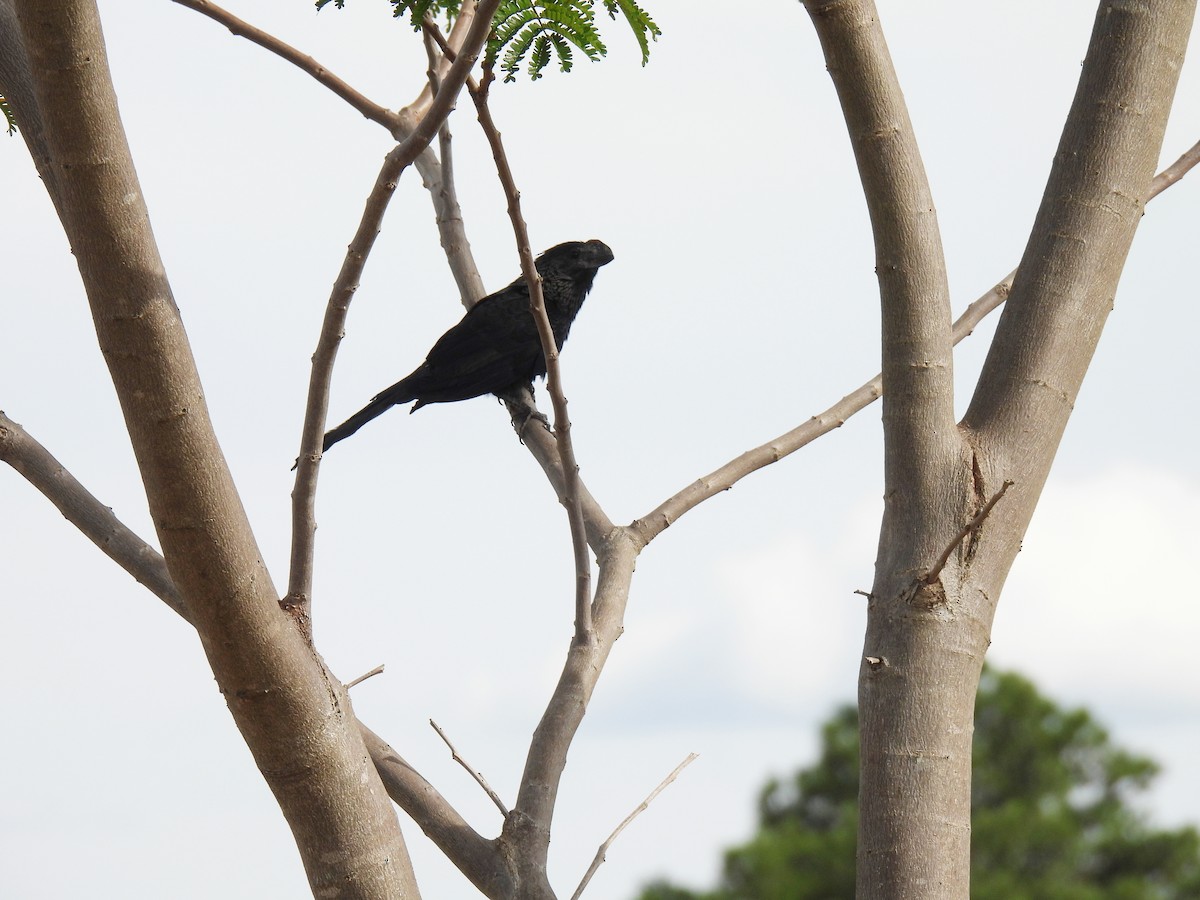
495, 346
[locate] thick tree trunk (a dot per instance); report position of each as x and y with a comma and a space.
929, 624
294, 716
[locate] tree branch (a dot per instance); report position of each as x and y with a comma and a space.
16, 84
439, 182
304, 493
527, 828
453, 43
523, 411
241, 28
976, 522
97, 522
642, 807
658, 520
475, 856
401, 125
921, 442
1091, 208
438, 178
473, 772
666, 513
925, 641
544, 449
562, 422
1172, 173
378, 670
80, 507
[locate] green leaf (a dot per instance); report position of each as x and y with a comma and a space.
8, 116
639, 22
529, 33
416, 10
525, 28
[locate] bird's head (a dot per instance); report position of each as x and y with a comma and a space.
575, 257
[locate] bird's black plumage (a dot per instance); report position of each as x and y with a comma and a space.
495, 346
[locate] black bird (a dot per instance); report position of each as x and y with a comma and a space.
495, 346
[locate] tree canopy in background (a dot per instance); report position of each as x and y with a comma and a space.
1052, 815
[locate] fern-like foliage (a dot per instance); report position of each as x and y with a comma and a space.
640, 23
529, 29
531, 33
416, 10
8, 116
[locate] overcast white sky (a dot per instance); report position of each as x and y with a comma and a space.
742, 301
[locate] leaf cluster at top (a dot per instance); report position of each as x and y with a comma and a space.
532, 32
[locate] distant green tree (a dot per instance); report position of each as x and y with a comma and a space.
1051, 818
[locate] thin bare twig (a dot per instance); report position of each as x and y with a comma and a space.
475, 856
298, 599
304, 493
666, 513
378, 670
437, 178
1175, 171
389, 119
433, 58
600, 854
435, 83
562, 424
475, 773
976, 521
455, 40
445, 193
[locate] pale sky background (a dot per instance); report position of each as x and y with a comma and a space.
742, 301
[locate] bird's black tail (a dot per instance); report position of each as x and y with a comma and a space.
376, 407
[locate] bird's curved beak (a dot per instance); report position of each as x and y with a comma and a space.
599, 253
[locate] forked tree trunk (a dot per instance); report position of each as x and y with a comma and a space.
930, 614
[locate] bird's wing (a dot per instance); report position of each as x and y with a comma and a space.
492, 347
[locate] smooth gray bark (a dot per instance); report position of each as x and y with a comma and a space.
294, 716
